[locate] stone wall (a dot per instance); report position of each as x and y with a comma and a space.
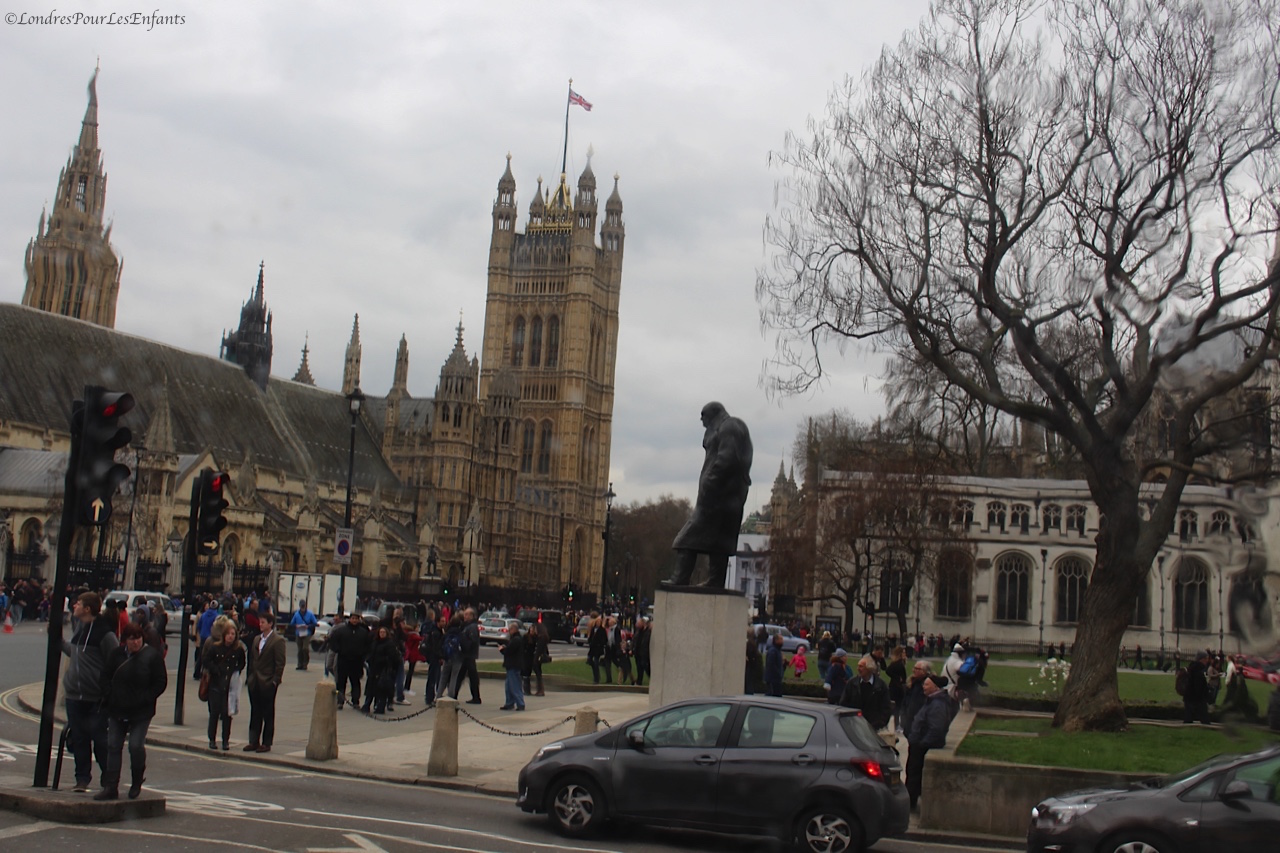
991, 798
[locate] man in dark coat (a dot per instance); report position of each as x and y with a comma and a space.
722, 492
1195, 699
350, 643
869, 694
928, 731
773, 667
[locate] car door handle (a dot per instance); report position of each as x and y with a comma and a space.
705, 760
803, 759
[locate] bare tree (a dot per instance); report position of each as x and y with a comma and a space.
640, 552
1066, 210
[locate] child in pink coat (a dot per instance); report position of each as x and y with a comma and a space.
799, 663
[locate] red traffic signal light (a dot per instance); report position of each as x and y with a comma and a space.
211, 503
95, 422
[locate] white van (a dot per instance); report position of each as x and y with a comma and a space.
135, 598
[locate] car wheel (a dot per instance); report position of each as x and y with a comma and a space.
575, 806
1137, 842
828, 829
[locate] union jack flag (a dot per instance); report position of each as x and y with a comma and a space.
575, 98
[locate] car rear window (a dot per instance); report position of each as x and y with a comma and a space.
858, 730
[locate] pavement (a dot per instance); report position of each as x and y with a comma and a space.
492, 745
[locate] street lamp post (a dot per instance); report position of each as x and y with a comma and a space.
608, 527
1160, 563
1044, 572
354, 401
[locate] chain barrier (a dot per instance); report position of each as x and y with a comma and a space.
464, 712
382, 718
601, 721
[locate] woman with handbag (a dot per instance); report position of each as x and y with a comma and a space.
222, 658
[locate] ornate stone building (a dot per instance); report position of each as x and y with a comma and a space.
71, 268
497, 480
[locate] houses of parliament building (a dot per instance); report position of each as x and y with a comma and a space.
498, 480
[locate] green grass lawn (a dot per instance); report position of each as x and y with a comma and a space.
1135, 687
1142, 749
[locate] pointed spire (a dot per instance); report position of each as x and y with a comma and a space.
89, 127
159, 437
304, 370
351, 365
257, 293
400, 380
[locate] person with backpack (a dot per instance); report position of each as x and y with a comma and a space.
454, 667
951, 669
431, 647
1195, 689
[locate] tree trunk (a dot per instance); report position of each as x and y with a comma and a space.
1091, 699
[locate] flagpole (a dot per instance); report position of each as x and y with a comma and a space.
564, 156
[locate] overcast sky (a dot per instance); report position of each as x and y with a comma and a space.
356, 149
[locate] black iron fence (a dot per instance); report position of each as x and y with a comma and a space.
150, 577
96, 574
29, 563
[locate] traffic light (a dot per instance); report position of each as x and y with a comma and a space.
210, 522
570, 592
99, 475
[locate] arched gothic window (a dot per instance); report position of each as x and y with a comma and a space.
544, 449
1052, 518
526, 448
535, 342
517, 343
1188, 525
1020, 518
955, 585
995, 515
1013, 587
553, 342
1076, 516
962, 516
1220, 524
1073, 580
1191, 597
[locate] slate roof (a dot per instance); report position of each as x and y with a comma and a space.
47, 359
31, 472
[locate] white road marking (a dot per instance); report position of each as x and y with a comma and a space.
229, 779
212, 804
492, 836
360, 841
40, 826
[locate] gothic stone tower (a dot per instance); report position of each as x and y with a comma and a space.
71, 267
250, 345
551, 319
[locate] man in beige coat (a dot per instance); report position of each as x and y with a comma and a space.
265, 672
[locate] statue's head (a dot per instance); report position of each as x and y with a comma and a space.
711, 413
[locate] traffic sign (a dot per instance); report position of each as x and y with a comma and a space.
342, 545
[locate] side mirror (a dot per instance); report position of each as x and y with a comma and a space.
635, 737
1237, 790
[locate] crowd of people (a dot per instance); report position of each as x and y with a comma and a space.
28, 600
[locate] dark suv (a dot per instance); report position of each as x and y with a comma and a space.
558, 627
815, 776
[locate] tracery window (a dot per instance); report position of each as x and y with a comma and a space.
955, 585
1013, 587
995, 515
1191, 597
1073, 580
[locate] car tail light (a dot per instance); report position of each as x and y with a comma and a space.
871, 769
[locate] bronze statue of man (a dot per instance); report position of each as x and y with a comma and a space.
722, 492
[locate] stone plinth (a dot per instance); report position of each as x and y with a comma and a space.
699, 644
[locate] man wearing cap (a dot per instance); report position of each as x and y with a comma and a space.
928, 731
1195, 698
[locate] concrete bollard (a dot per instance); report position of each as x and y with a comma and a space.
443, 758
322, 745
585, 721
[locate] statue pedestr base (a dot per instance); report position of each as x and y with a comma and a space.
699, 643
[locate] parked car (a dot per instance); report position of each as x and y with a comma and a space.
494, 630
1259, 669
581, 630
134, 599
815, 776
558, 627
790, 642
1230, 802
499, 613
